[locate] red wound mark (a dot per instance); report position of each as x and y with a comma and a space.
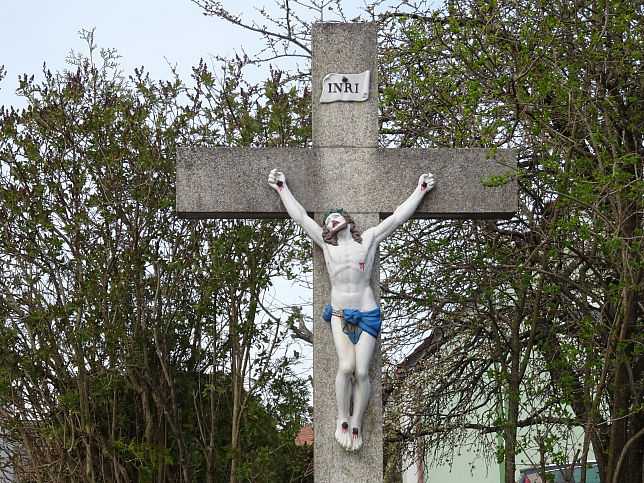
423, 187
361, 266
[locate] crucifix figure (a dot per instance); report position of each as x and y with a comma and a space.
353, 313
345, 168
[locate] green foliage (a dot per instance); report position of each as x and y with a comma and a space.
551, 296
122, 327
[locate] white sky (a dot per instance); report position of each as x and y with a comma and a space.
144, 33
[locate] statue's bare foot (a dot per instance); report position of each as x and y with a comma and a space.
342, 434
346, 439
356, 439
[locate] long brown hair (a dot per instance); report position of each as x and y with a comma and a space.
331, 237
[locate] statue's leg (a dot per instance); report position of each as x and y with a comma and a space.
363, 350
346, 366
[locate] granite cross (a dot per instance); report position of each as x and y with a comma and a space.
345, 168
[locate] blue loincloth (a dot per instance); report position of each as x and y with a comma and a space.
354, 322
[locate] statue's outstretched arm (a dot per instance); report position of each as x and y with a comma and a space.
425, 183
296, 211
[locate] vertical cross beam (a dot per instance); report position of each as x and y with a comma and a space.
339, 127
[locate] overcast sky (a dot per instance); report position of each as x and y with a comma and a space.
152, 33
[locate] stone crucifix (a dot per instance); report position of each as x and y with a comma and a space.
344, 169
353, 313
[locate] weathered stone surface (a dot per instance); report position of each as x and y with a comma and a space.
349, 48
360, 180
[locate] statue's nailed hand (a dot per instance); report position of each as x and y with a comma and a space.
276, 179
426, 181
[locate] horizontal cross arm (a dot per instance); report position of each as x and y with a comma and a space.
232, 182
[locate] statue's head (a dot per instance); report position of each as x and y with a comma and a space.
334, 222
335, 211
335, 219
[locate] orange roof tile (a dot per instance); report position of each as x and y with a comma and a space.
305, 436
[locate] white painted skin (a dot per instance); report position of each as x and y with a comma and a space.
349, 265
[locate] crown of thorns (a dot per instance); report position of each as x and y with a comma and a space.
337, 210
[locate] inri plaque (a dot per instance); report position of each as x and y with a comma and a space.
345, 87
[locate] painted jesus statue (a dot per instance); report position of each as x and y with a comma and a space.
352, 313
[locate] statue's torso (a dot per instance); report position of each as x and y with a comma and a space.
349, 266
